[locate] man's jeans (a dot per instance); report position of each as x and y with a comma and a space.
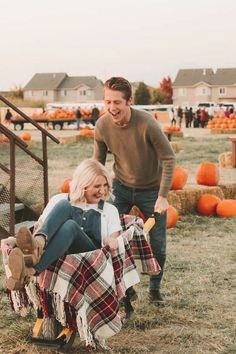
144, 199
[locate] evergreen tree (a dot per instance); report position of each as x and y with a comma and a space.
142, 94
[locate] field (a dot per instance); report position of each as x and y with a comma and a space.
200, 277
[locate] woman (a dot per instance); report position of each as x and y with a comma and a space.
80, 221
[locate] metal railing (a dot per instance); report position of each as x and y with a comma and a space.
11, 171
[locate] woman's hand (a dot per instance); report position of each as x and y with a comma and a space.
9, 242
111, 242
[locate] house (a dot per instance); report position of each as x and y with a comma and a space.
192, 86
59, 87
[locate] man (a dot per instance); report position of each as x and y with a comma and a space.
143, 165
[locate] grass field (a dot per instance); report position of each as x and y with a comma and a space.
199, 282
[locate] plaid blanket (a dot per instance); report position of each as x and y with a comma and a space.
83, 290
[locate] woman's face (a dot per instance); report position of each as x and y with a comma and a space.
97, 190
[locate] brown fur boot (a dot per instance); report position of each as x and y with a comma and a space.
32, 247
19, 273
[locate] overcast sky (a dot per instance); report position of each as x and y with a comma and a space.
142, 40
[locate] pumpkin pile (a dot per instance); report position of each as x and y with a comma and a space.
221, 122
61, 114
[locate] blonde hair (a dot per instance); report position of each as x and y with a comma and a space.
85, 175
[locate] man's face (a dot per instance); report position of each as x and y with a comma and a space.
117, 106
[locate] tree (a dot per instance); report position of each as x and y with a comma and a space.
142, 94
158, 96
164, 93
166, 88
17, 92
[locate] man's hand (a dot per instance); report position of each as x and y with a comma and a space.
161, 205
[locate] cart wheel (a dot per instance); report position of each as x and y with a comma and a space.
57, 126
19, 126
51, 328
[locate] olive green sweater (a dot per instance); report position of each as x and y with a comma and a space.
143, 156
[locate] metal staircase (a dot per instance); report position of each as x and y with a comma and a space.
23, 178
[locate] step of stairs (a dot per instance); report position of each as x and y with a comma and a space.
5, 207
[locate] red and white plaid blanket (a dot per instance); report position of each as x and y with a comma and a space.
83, 290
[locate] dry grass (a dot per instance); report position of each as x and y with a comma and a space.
199, 282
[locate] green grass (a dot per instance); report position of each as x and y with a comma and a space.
199, 281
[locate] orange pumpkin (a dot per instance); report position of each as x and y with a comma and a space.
206, 204
5, 139
226, 208
26, 136
65, 187
180, 177
207, 174
172, 217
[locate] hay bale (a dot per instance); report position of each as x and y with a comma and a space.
223, 131
225, 159
228, 190
31, 143
82, 137
67, 139
178, 134
175, 146
184, 200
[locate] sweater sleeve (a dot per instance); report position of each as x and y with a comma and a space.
166, 155
100, 148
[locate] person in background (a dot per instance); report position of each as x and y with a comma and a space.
143, 165
203, 117
172, 117
77, 222
179, 116
8, 117
95, 115
78, 116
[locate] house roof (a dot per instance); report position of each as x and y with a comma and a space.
224, 77
190, 77
45, 81
72, 82
54, 81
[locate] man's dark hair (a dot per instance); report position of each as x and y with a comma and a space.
119, 84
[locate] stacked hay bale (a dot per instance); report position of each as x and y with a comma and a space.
225, 159
228, 190
175, 146
184, 200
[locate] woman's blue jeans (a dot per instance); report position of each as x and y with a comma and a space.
144, 199
63, 235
